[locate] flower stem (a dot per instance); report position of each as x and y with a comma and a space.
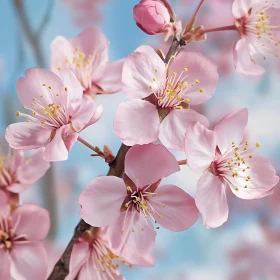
182, 162
87, 144
191, 22
223, 28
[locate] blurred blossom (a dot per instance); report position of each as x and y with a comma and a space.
85, 12
255, 261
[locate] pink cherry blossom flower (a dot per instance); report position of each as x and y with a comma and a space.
255, 261
85, 11
226, 161
58, 113
257, 22
17, 173
161, 96
87, 56
93, 258
127, 205
21, 230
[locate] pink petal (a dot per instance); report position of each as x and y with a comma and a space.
56, 149
144, 164
73, 95
92, 41
176, 208
131, 120
32, 86
79, 256
139, 70
243, 61
87, 113
29, 261
211, 200
97, 115
31, 220
26, 136
200, 147
200, 69
231, 129
240, 8
4, 205
61, 49
133, 238
172, 130
110, 77
263, 179
17, 159
101, 200
32, 169
4, 265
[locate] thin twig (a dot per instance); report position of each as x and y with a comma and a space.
30, 35
46, 18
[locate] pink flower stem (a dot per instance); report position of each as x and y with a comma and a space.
87, 144
182, 162
223, 28
170, 9
191, 22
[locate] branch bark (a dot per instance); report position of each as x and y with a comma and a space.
61, 268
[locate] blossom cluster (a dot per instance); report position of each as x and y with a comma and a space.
125, 212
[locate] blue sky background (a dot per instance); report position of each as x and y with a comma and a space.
198, 253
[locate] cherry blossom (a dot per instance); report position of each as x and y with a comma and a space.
21, 230
161, 96
257, 22
87, 56
226, 160
18, 173
93, 258
127, 205
58, 113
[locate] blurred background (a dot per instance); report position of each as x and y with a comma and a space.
247, 247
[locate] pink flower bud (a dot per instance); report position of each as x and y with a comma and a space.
151, 16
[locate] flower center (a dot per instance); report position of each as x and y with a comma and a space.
5, 240
233, 166
7, 175
258, 24
82, 65
49, 115
172, 92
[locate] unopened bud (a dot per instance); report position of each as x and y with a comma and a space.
151, 16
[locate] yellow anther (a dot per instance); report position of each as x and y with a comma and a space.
258, 145
196, 81
250, 156
151, 87
66, 89
156, 70
201, 90
172, 56
186, 69
58, 68
154, 79
43, 85
17, 113
49, 87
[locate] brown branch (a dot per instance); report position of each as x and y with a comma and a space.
61, 268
